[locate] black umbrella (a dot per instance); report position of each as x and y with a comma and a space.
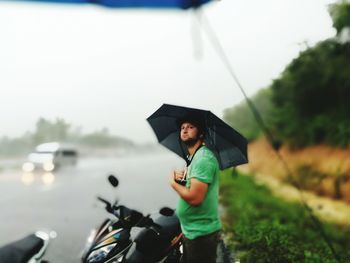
229, 146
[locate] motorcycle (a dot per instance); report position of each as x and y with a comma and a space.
30, 249
159, 240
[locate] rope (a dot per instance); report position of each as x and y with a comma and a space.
206, 27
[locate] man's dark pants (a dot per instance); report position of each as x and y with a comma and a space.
201, 249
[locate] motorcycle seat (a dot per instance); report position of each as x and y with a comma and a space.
21, 251
149, 242
170, 226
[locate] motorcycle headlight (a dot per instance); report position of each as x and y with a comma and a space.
100, 253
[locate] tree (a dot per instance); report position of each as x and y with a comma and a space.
308, 103
51, 131
340, 13
241, 117
103, 138
311, 97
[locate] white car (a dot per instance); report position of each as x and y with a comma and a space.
50, 156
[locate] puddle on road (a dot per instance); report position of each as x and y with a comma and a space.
28, 179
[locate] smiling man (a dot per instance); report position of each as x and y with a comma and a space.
197, 208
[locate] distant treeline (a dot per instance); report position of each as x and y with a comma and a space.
61, 131
310, 102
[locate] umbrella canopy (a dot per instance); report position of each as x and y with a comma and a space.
183, 4
229, 146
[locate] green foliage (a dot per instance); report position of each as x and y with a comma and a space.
311, 97
47, 130
308, 103
267, 229
102, 138
12, 147
340, 13
241, 117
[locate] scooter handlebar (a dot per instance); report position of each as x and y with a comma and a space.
133, 218
108, 204
130, 217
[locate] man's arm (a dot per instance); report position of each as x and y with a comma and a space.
193, 195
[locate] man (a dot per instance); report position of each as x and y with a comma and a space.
197, 208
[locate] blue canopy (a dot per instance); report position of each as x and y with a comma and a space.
183, 4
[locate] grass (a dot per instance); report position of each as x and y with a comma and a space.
265, 228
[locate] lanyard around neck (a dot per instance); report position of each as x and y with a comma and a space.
190, 158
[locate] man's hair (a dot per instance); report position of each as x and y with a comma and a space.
194, 120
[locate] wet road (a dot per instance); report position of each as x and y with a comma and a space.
66, 201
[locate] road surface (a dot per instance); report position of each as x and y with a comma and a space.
65, 201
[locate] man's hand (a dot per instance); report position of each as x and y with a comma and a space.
179, 175
193, 195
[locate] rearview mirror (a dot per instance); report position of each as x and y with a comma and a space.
113, 180
166, 211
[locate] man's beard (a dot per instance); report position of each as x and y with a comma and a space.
190, 142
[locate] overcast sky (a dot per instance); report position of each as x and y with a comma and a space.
97, 67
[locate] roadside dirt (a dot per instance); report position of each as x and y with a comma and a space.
268, 170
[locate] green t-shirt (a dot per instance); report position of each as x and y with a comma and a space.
203, 219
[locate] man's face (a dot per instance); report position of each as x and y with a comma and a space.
189, 133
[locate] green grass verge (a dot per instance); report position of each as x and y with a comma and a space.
265, 228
